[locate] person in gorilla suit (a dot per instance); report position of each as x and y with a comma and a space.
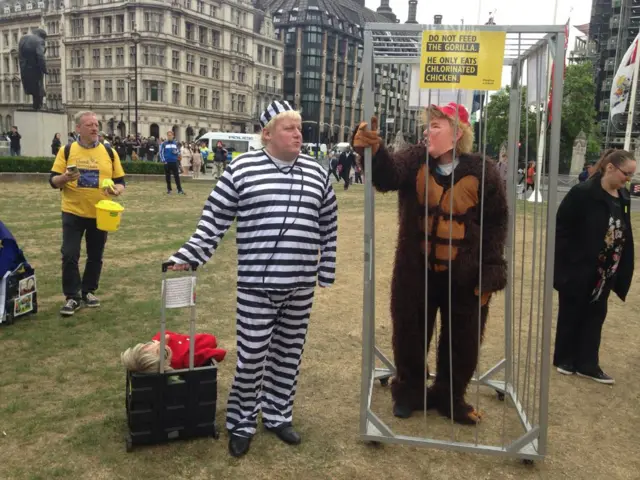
33, 67
451, 242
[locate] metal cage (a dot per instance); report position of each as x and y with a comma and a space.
524, 364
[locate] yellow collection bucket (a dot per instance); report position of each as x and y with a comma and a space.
108, 215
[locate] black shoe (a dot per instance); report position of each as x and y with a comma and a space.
566, 369
401, 411
287, 434
238, 445
168, 192
598, 375
70, 307
90, 300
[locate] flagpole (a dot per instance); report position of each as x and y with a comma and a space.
536, 195
634, 89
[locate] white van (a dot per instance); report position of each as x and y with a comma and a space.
234, 143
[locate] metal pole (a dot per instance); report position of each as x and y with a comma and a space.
128, 106
136, 80
551, 235
368, 310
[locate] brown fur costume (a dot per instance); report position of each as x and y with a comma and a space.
404, 172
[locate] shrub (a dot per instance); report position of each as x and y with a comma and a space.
43, 165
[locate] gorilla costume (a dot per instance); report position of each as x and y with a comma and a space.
33, 66
455, 238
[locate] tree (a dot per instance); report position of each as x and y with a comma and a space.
578, 112
498, 125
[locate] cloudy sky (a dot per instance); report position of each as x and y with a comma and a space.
507, 12
512, 12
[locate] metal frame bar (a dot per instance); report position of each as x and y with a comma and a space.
532, 445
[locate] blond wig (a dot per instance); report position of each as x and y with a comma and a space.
271, 125
465, 144
142, 359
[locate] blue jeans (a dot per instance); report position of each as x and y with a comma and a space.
15, 153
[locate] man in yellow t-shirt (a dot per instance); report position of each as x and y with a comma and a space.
78, 171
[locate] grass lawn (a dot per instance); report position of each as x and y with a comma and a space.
62, 387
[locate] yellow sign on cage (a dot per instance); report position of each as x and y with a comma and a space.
467, 60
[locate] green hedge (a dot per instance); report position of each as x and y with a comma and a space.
43, 165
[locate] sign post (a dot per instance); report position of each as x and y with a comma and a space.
462, 59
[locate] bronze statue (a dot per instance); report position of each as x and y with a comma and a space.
33, 66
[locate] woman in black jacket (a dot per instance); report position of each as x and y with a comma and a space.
594, 255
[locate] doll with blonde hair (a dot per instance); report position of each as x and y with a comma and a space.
145, 357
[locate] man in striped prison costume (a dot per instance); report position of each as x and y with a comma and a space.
457, 272
286, 237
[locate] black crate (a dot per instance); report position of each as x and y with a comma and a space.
179, 404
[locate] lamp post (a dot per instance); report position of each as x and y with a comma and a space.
121, 115
135, 36
128, 104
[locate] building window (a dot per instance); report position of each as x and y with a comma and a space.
190, 62
215, 38
242, 74
233, 102
204, 66
203, 98
108, 25
120, 57
175, 59
260, 54
153, 22
202, 35
213, 11
120, 92
242, 103
153, 91
200, 6
132, 56
215, 100
234, 43
215, 69
175, 93
153, 55
77, 59
175, 25
191, 96
258, 78
233, 72
189, 31
108, 90
119, 23
96, 26
77, 29
243, 45
274, 58
96, 90
108, 58
77, 89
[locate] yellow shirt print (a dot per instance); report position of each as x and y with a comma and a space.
94, 165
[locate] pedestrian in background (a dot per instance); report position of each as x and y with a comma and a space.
170, 156
594, 256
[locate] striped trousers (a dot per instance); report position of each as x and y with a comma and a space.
271, 331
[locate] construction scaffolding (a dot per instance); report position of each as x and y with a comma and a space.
519, 373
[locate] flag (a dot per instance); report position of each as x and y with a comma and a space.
553, 66
622, 82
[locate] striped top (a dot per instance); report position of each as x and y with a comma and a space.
287, 222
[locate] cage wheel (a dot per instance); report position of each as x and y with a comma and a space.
384, 381
129, 443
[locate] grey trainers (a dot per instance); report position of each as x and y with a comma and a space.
90, 300
69, 307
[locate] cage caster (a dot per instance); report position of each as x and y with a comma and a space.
500, 395
527, 461
374, 444
384, 381
128, 443
216, 435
